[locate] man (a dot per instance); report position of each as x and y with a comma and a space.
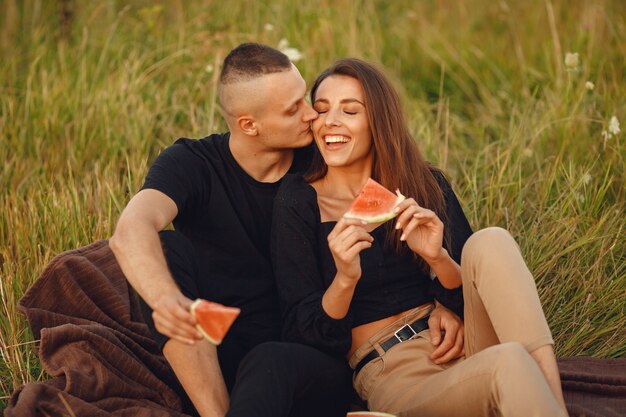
218, 192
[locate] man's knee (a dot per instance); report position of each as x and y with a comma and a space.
265, 351
295, 360
284, 353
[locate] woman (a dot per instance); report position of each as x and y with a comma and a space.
366, 292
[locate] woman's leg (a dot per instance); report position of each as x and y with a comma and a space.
501, 380
502, 304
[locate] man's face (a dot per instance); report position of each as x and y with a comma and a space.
284, 122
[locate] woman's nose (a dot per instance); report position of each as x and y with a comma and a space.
331, 119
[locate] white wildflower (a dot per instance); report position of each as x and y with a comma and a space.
590, 86
208, 69
586, 178
571, 60
612, 130
268, 27
580, 197
283, 44
614, 126
293, 54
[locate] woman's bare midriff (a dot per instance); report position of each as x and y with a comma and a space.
364, 332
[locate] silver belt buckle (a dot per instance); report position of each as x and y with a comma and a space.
402, 338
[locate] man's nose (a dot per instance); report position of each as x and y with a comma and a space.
310, 114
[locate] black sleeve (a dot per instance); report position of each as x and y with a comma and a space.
181, 175
296, 268
459, 230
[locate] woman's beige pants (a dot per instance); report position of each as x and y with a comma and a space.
504, 321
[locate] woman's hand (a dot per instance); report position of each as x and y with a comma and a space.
421, 229
346, 241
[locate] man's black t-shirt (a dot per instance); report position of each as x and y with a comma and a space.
226, 215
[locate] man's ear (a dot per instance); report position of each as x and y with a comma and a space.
247, 125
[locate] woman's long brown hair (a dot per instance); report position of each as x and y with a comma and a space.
397, 162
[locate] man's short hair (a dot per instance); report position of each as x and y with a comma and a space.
251, 60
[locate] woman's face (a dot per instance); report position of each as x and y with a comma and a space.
342, 131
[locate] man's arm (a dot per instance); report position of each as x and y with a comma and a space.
447, 334
137, 248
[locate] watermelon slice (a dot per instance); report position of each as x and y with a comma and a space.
213, 319
374, 204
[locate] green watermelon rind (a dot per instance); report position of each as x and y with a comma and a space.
206, 336
381, 218
200, 329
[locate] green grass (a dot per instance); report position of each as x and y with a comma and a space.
88, 98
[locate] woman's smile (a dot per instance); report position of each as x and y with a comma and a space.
335, 142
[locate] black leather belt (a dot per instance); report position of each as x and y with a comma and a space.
404, 333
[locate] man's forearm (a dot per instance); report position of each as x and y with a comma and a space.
139, 252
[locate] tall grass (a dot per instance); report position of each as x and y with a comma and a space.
92, 91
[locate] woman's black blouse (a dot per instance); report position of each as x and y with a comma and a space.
389, 284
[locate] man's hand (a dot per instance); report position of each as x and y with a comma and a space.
446, 334
172, 318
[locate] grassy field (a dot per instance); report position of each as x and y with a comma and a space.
91, 91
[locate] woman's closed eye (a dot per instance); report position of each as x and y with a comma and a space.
349, 112
320, 109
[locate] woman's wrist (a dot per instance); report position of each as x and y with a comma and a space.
338, 296
446, 269
441, 257
345, 282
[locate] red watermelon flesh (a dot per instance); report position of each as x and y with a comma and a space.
374, 204
213, 319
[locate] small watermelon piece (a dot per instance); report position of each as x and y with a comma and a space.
374, 204
213, 319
